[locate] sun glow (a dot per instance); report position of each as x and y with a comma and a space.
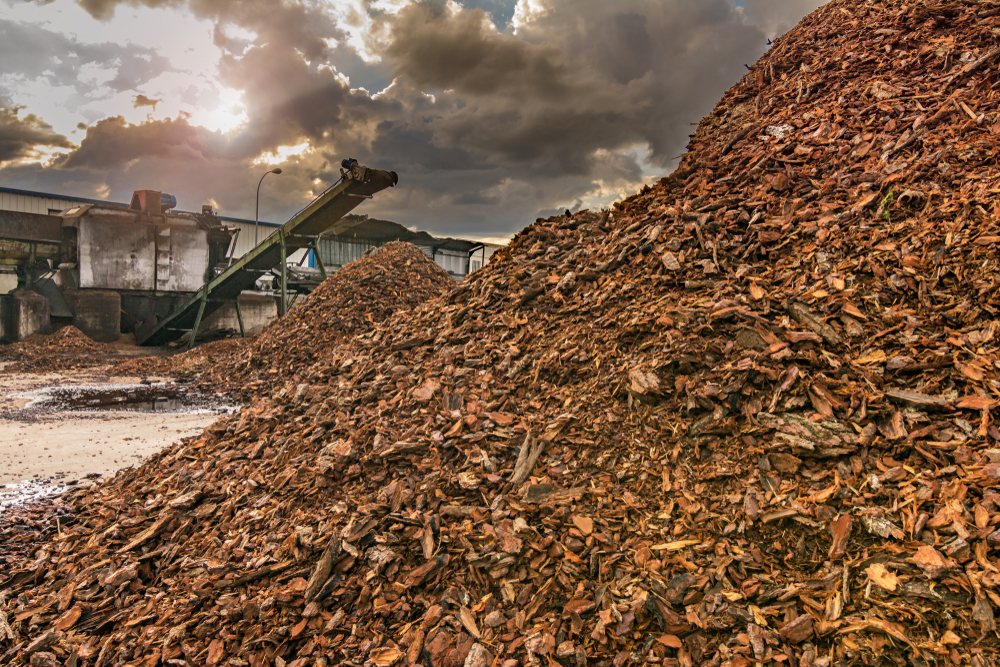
227, 116
282, 154
222, 120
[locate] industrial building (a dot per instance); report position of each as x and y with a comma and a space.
458, 257
161, 273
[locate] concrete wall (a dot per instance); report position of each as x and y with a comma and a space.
23, 314
98, 315
8, 281
258, 310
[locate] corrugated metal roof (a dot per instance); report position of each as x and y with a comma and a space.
50, 195
104, 202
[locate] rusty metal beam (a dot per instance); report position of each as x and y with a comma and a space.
30, 227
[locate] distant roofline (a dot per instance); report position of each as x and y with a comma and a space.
51, 195
105, 202
226, 218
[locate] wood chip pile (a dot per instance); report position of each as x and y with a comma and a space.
66, 348
398, 276
745, 419
189, 364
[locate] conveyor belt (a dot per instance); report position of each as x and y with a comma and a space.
324, 215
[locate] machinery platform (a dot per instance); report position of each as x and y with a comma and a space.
324, 215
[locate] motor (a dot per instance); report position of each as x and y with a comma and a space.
350, 169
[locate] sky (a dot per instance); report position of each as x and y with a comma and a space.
492, 112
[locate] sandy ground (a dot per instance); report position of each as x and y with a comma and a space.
75, 446
68, 446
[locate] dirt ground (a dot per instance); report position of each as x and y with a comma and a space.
46, 447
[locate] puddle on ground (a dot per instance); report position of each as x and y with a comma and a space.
114, 398
32, 490
161, 397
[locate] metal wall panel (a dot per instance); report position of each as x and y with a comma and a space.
29, 204
456, 263
244, 243
116, 255
336, 253
181, 258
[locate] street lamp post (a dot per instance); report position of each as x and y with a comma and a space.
256, 217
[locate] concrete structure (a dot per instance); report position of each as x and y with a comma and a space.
112, 268
98, 314
23, 314
257, 309
121, 250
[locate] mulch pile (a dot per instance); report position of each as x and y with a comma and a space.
65, 349
189, 364
398, 276
746, 418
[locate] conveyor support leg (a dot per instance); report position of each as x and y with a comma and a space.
284, 275
319, 262
197, 319
239, 318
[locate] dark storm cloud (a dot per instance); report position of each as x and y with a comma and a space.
487, 127
33, 52
436, 48
582, 77
551, 114
287, 99
20, 137
415, 147
113, 142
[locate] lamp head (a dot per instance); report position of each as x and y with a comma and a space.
276, 170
